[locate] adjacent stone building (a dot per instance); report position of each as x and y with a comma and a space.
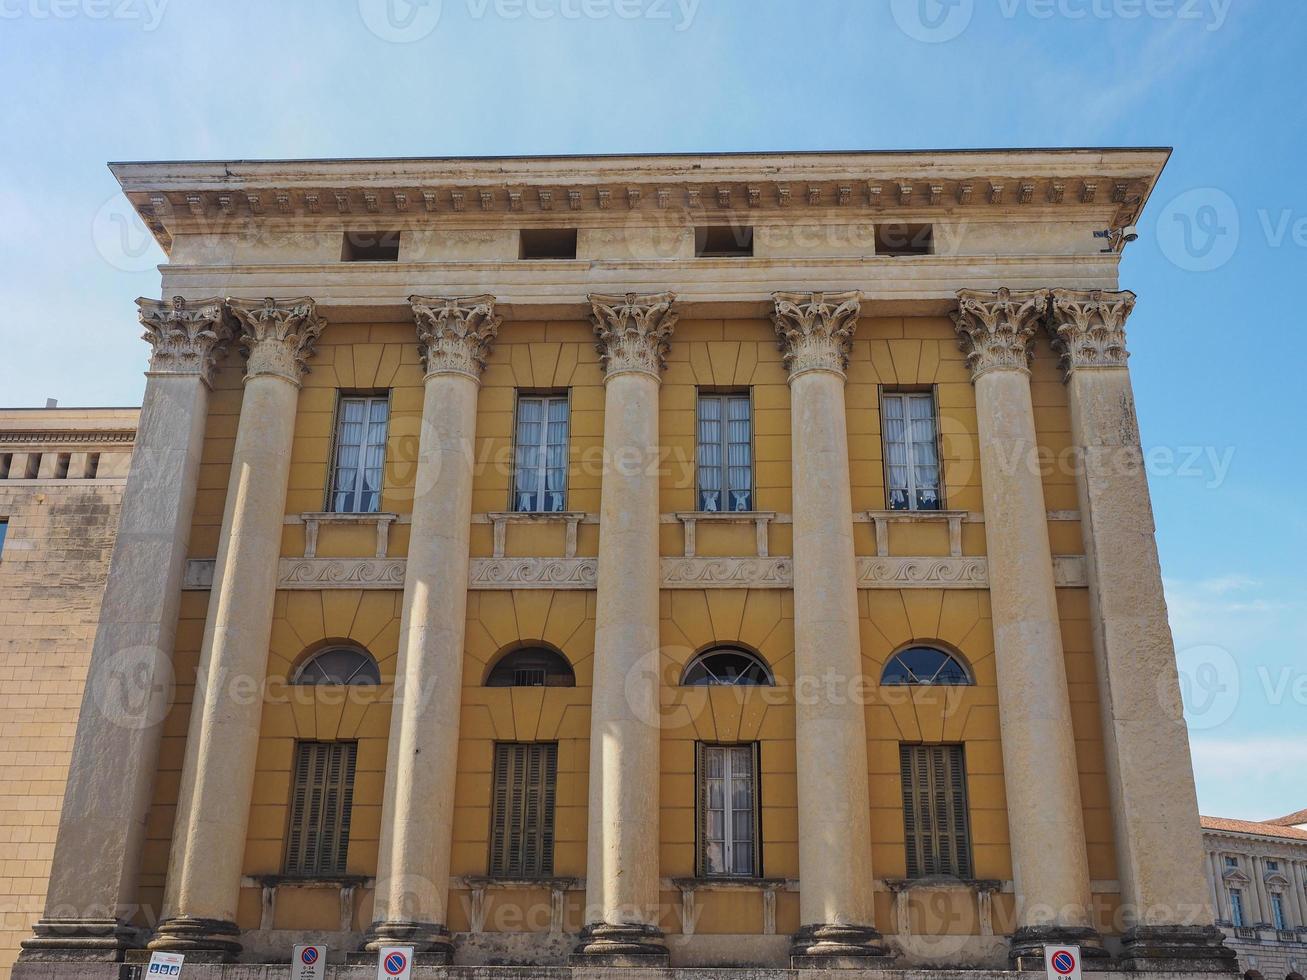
62, 472
1258, 875
736, 560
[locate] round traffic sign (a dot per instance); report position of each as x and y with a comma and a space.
309, 955
395, 964
1064, 963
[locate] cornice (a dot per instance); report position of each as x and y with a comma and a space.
71, 437
1115, 182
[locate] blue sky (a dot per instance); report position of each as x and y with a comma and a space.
1217, 335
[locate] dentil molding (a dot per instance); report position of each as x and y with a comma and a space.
925, 572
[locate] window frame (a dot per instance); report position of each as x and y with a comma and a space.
923, 846
952, 655
548, 396
500, 838
342, 396
887, 392
302, 759
298, 679
724, 396
546, 654
4, 535
1279, 913
1238, 915
701, 750
727, 648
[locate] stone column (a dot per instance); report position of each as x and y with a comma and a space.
1041, 775
1258, 864
836, 913
1150, 772
622, 857
1295, 877
128, 692
213, 808
417, 818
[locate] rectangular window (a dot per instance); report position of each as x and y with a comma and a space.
1272, 865
322, 796
724, 242
1232, 862
522, 817
896, 238
725, 453
1236, 907
4, 530
936, 825
370, 246
728, 811
547, 243
911, 451
360, 454
540, 463
1277, 911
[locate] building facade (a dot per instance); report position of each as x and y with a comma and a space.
1258, 876
62, 473
715, 560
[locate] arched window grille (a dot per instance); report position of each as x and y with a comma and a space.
532, 667
339, 665
926, 666
727, 667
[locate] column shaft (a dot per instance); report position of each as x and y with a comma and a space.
1041, 773
218, 774
92, 888
836, 910
422, 763
622, 854
1150, 771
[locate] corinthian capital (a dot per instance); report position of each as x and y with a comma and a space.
278, 335
634, 331
1088, 327
455, 334
815, 330
188, 337
995, 329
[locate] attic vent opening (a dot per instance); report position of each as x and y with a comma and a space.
900, 238
370, 246
723, 241
548, 243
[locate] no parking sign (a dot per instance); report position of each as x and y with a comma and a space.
1062, 962
395, 963
308, 963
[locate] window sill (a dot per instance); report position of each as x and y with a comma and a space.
553, 883
724, 883
760, 519
944, 883
501, 519
313, 521
882, 519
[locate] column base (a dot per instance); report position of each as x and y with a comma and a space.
200, 940
431, 941
603, 944
837, 947
1026, 947
81, 940
1188, 949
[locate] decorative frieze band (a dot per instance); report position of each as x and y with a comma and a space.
677, 573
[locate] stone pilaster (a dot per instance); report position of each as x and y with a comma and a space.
836, 910
278, 337
1155, 808
417, 820
621, 915
1045, 820
128, 692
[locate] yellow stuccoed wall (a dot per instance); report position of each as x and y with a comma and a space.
918, 352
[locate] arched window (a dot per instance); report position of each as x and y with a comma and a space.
924, 666
729, 667
339, 665
532, 667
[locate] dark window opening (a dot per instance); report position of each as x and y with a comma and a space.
33, 466
724, 241
370, 246
925, 666
4, 530
532, 667
900, 238
548, 243
92, 465
61, 464
339, 665
727, 667
6, 461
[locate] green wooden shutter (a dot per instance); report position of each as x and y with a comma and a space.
936, 827
322, 798
522, 810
